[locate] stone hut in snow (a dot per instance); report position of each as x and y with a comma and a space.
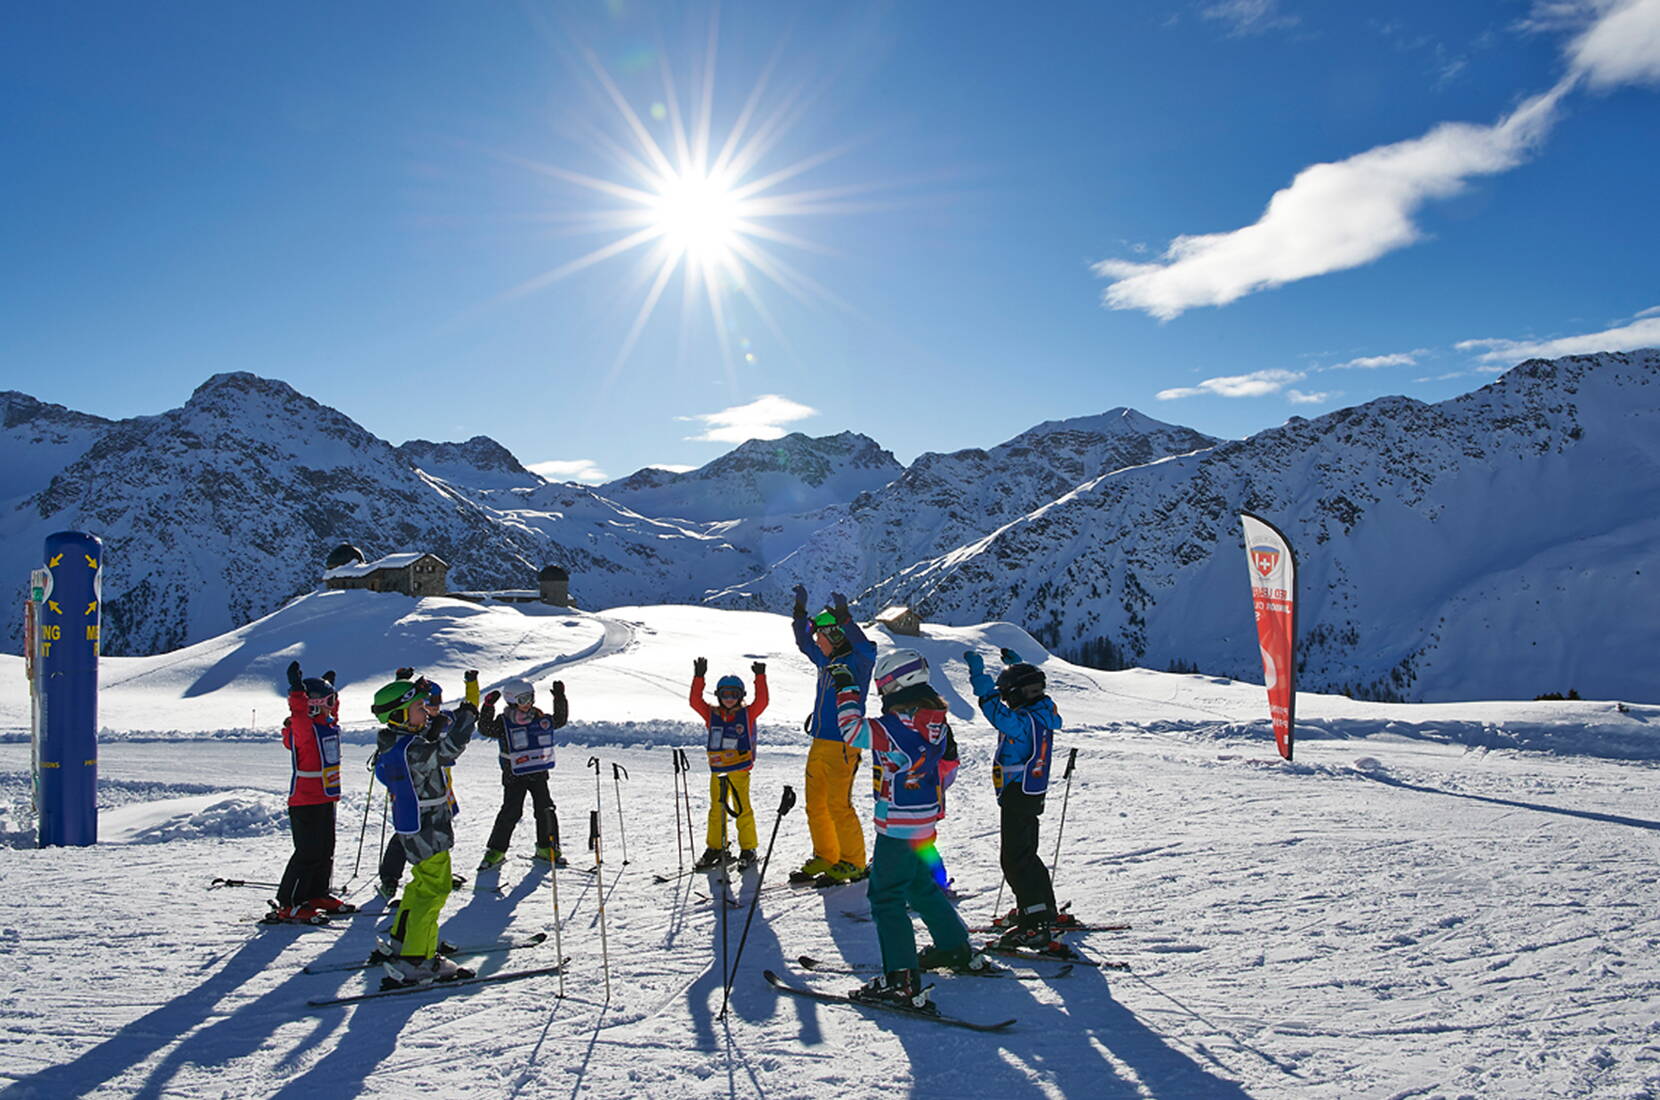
901, 620
413, 573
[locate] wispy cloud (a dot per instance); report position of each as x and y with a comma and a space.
1256, 384
1641, 332
1343, 214
585, 470
762, 418
1245, 17
1298, 397
1332, 217
1373, 362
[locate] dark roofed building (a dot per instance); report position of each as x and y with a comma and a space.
412, 573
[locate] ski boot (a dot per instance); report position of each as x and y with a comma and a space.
810, 871
332, 906
1032, 935
897, 989
746, 859
457, 881
293, 914
843, 871
387, 888
545, 854
445, 970
959, 960
710, 859
492, 860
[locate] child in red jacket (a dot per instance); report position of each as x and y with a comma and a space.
731, 748
311, 734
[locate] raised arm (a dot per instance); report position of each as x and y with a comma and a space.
761, 696
561, 706
850, 708
700, 668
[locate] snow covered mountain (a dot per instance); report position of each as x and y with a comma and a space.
1497, 545
37, 440
943, 501
217, 512
479, 463
760, 478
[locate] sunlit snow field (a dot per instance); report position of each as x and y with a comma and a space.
1442, 900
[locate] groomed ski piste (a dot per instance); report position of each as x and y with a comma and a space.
1433, 900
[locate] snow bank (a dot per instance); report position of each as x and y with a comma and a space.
239, 813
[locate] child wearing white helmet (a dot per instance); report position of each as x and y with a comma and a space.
526, 739
908, 744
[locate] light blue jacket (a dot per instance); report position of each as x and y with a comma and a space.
1025, 738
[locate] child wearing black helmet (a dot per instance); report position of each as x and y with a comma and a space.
731, 749
1026, 720
311, 734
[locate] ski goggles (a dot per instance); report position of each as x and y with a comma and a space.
729, 693
523, 699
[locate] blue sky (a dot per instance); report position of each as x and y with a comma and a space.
965, 219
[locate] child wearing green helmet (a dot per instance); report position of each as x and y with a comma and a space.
412, 755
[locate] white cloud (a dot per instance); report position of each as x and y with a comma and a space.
1332, 217
1644, 332
1621, 47
1373, 362
1298, 397
585, 470
1651, 311
762, 418
1256, 384
1249, 16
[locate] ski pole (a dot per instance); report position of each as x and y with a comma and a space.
784, 805
1055, 860
725, 880
558, 946
679, 850
599, 874
619, 773
218, 883
686, 795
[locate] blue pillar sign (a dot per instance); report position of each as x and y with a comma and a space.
64, 659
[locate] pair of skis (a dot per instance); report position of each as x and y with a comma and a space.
377, 958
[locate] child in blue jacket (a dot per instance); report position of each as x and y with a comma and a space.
1026, 720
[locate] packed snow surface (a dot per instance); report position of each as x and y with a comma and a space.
1433, 900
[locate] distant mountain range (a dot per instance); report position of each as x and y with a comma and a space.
1501, 544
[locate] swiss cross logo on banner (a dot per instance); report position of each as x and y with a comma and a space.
1266, 559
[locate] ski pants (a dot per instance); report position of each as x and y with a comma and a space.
1034, 896
312, 864
902, 878
837, 835
393, 860
719, 830
513, 791
423, 900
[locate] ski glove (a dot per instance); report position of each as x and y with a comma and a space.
700, 667
838, 605
759, 668
842, 676
470, 676
329, 676
559, 689
490, 699
1010, 657
800, 609
404, 673
294, 681
976, 663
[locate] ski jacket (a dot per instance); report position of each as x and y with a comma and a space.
414, 768
822, 722
524, 745
313, 746
1025, 738
731, 741
906, 753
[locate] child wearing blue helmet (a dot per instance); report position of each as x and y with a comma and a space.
731, 749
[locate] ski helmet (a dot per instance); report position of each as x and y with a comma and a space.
518, 692
730, 684
1020, 684
319, 694
391, 703
900, 668
824, 619
435, 694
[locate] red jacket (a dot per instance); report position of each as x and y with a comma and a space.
313, 746
731, 743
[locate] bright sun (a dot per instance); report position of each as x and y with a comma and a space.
699, 215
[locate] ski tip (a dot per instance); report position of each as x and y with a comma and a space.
806, 962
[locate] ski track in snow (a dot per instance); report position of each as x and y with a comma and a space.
1393, 915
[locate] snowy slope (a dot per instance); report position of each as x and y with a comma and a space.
1416, 907
1481, 547
479, 463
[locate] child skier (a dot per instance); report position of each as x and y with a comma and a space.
526, 739
393, 861
1026, 720
831, 637
412, 754
907, 743
311, 734
731, 748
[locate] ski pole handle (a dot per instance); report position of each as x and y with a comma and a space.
1071, 762
593, 762
787, 802
615, 768
674, 758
